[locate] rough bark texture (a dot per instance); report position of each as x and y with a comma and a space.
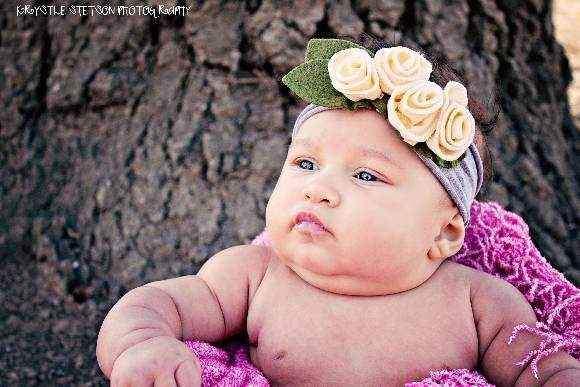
132, 148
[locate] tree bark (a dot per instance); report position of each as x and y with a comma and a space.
133, 148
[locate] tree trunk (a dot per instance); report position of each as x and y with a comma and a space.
134, 148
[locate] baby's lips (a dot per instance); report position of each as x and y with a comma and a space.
311, 217
311, 228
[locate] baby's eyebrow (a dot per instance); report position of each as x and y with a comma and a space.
383, 156
304, 142
365, 151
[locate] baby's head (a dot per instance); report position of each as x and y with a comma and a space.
390, 221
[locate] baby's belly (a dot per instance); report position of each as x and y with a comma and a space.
365, 363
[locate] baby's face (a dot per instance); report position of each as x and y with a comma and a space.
382, 213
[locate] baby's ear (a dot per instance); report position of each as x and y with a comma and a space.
449, 240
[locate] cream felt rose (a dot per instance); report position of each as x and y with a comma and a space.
353, 73
400, 66
413, 110
454, 133
455, 129
456, 92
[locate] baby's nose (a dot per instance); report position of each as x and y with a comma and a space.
317, 192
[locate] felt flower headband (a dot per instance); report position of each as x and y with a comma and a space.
338, 73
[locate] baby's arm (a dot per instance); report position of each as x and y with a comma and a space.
209, 306
497, 308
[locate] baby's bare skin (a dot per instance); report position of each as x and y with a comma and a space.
301, 335
371, 301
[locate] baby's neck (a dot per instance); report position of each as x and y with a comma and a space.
353, 286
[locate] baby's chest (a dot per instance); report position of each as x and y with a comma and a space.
330, 340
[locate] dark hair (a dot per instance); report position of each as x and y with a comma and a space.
486, 113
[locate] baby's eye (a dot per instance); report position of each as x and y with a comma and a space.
309, 165
303, 162
367, 176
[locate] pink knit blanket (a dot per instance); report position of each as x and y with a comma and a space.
497, 242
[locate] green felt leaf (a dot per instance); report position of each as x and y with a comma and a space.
310, 81
421, 147
381, 105
363, 103
324, 49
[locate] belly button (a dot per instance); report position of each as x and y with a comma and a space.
280, 355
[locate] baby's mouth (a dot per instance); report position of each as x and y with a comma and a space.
312, 228
310, 223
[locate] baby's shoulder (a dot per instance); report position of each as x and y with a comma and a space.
452, 272
491, 293
483, 287
244, 264
259, 257
473, 278
248, 258
492, 298
256, 259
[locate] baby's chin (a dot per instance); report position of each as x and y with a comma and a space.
292, 248
313, 258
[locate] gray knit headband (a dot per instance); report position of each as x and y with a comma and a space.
462, 182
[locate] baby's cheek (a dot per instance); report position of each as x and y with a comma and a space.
277, 215
379, 241
272, 206
272, 214
366, 235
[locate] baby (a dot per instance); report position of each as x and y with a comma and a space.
355, 288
